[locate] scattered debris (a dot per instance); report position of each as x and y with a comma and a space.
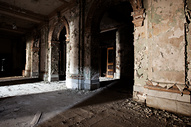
35, 119
171, 119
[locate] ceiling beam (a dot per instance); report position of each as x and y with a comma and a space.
12, 31
14, 11
9, 28
62, 8
64, 1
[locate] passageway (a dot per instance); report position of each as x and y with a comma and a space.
115, 37
12, 54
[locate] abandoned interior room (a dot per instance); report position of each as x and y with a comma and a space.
101, 62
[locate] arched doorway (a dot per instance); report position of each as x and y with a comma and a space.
110, 34
59, 36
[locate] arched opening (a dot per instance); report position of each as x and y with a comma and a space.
62, 55
112, 40
57, 55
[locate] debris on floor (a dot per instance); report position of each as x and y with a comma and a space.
111, 106
35, 119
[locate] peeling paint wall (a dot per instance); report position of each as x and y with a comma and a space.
28, 56
167, 36
159, 44
160, 56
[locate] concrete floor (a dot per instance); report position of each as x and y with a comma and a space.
19, 111
109, 106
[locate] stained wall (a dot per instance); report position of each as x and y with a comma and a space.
160, 57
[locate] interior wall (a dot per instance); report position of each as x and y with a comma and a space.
159, 44
160, 57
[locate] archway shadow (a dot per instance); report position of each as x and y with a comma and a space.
7, 81
111, 91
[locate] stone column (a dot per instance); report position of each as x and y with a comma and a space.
54, 60
73, 78
87, 61
43, 53
94, 62
35, 59
28, 57
118, 56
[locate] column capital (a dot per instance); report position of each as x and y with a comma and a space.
35, 49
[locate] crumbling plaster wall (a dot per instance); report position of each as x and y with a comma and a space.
43, 52
160, 46
28, 65
167, 36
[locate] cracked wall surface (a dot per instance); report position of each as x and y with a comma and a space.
159, 44
160, 56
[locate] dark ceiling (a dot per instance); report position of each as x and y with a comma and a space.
18, 17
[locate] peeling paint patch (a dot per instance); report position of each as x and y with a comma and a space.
177, 34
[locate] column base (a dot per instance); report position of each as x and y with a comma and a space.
35, 74
55, 77
91, 84
116, 76
82, 84
43, 76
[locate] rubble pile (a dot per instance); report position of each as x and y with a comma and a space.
171, 119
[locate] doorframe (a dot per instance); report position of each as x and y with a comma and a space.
107, 75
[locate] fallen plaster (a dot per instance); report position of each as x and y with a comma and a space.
167, 85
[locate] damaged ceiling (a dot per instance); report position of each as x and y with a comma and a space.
21, 16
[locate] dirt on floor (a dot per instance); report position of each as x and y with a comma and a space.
114, 107
109, 106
